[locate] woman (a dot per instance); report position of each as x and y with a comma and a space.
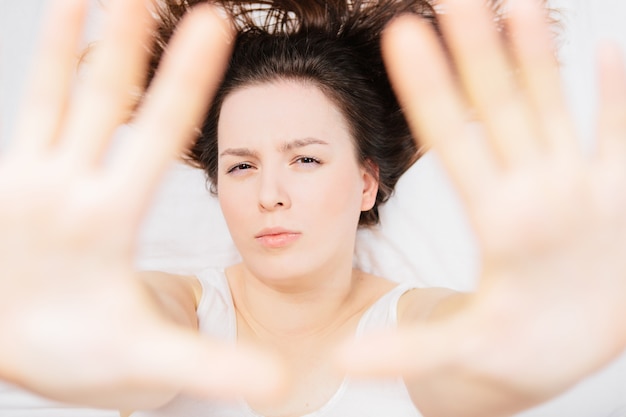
301, 133
292, 190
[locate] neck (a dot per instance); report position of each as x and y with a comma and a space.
300, 308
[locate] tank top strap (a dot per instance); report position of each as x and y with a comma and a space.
383, 314
215, 311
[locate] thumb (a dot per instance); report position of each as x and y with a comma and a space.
410, 352
200, 367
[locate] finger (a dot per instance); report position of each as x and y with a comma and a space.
535, 57
113, 82
48, 87
202, 368
488, 80
176, 103
612, 116
424, 84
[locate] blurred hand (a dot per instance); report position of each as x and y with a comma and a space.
76, 324
549, 219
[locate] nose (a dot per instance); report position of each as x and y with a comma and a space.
273, 193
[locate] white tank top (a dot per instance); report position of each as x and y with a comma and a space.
354, 398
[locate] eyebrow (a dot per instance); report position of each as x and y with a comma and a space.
285, 147
301, 143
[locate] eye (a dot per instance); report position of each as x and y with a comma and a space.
243, 166
307, 160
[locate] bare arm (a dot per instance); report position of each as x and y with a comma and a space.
455, 390
176, 298
176, 295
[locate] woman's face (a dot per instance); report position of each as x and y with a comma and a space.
289, 182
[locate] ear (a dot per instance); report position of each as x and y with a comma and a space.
369, 173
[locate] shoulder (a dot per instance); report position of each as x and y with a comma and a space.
419, 304
188, 286
189, 300
410, 304
178, 296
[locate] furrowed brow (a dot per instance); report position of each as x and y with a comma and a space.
239, 152
285, 147
300, 143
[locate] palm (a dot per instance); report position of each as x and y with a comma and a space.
552, 239
552, 210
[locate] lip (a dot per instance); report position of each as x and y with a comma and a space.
276, 237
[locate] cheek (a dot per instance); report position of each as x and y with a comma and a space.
233, 204
337, 197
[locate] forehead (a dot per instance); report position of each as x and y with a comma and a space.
280, 111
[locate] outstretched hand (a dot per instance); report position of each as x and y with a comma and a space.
70, 213
550, 220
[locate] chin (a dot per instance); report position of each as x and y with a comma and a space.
286, 270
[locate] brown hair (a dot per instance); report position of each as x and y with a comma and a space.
334, 45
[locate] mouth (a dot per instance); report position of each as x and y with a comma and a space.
276, 237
